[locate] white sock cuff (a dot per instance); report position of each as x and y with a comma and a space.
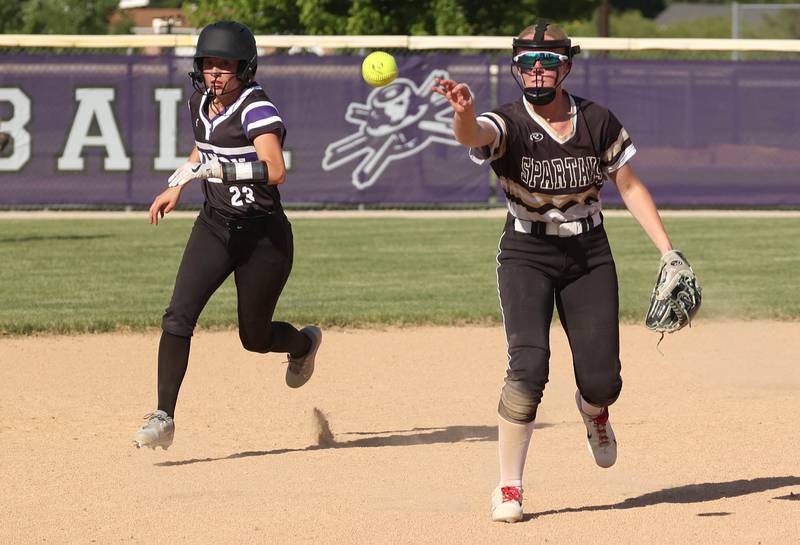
504, 420
589, 409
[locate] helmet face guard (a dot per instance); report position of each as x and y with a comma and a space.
525, 53
226, 40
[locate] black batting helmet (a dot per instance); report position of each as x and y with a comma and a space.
227, 40
539, 41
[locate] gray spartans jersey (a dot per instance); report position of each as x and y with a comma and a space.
547, 177
229, 138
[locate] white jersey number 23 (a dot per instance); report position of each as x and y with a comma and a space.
238, 193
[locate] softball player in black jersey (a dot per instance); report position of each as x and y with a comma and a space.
551, 152
241, 228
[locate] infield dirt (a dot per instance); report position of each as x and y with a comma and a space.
402, 446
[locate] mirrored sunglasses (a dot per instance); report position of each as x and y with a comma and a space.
549, 59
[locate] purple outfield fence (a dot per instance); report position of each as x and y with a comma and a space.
108, 130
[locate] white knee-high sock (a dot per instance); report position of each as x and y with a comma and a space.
513, 440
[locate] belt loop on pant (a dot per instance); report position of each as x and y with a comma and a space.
566, 229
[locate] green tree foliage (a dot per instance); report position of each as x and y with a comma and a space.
370, 17
262, 16
11, 16
66, 16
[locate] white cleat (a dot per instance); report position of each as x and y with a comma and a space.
157, 431
507, 504
599, 436
300, 369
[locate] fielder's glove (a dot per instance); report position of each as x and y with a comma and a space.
211, 171
676, 295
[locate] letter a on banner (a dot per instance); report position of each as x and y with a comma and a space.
94, 104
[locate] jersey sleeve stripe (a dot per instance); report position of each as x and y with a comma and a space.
258, 104
263, 122
497, 148
623, 158
612, 153
256, 114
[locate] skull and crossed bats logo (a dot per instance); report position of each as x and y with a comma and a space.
396, 121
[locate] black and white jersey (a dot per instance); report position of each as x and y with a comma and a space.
228, 137
546, 176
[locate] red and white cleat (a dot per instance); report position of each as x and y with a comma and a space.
599, 436
507, 504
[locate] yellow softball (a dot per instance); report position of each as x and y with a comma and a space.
379, 69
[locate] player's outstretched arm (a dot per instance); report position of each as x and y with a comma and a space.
466, 128
641, 205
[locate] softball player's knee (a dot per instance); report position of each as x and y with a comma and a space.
255, 339
518, 402
525, 381
252, 343
177, 323
600, 390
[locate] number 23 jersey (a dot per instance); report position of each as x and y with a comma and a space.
548, 176
228, 137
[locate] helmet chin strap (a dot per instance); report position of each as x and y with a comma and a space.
223, 92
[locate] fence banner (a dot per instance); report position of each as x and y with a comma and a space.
108, 129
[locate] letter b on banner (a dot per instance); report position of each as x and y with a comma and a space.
15, 127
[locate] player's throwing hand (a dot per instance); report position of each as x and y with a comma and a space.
456, 93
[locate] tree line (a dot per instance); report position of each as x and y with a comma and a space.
630, 18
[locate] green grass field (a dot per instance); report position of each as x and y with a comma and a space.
100, 275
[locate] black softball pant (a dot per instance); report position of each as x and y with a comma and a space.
259, 253
578, 275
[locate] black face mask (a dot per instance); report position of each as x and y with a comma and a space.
539, 96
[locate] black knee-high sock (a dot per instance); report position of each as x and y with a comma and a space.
173, 358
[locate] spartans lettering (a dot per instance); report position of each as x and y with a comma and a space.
560, 173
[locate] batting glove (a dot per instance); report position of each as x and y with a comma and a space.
211, 171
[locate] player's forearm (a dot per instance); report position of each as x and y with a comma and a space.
467, 130
642, 207
277, 173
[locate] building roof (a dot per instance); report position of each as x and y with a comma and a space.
143, 17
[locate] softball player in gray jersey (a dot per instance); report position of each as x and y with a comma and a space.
552, 152
241, 228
